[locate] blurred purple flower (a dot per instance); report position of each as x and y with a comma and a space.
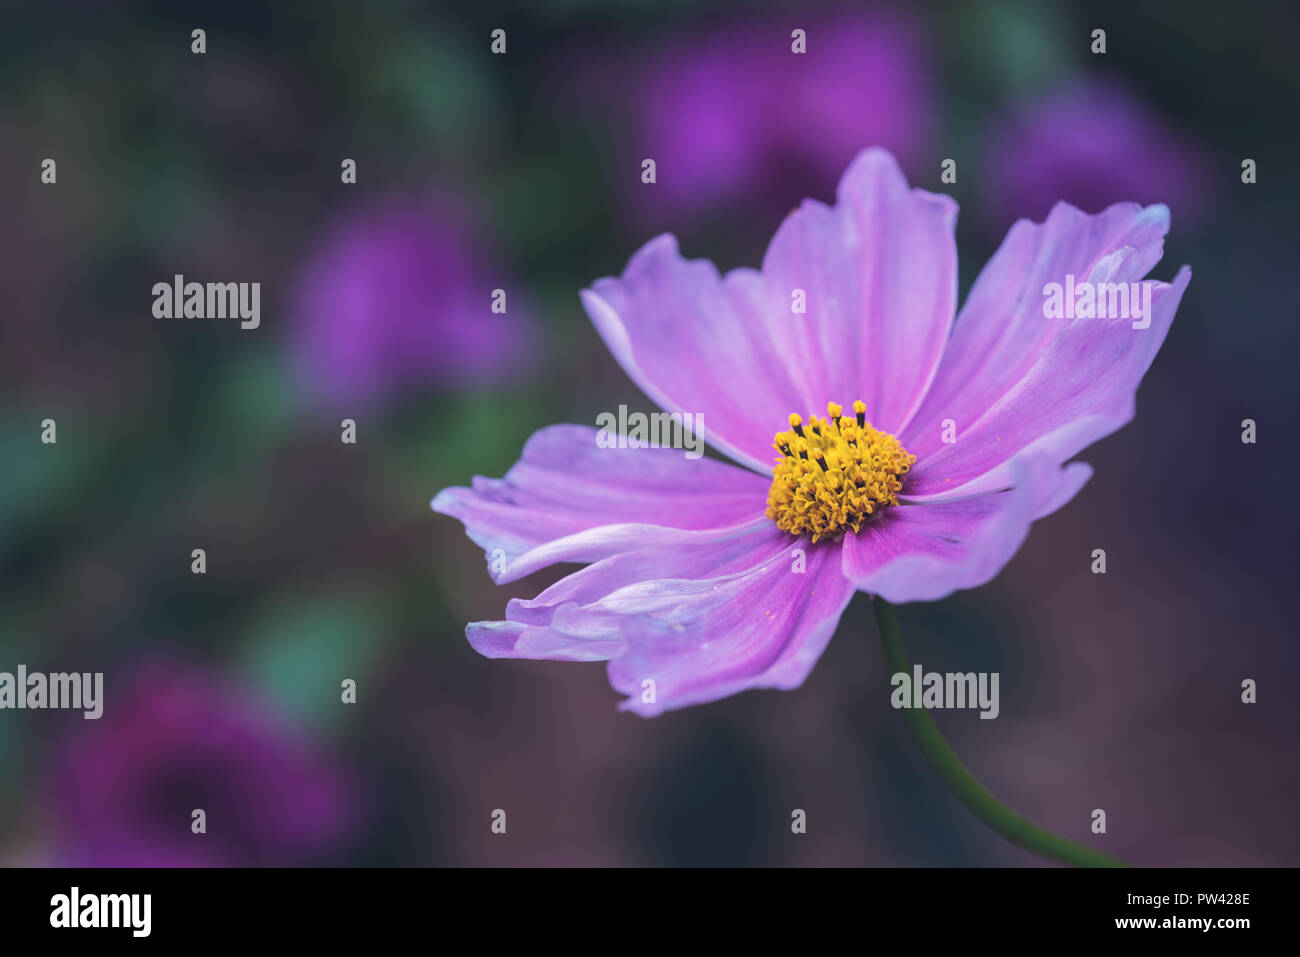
706, 578
736, 114
400, 295
125, 786
1091, 144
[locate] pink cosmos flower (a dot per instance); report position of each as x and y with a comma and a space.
705, 579
398, 295
177, 739
729, 114
1090, 143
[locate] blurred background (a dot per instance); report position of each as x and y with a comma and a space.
522, 172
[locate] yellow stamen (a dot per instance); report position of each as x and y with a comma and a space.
834, 473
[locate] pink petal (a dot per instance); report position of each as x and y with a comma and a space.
879, 271
1012, 380
926, 551
701, 621
567, 499
695, 342
879, 274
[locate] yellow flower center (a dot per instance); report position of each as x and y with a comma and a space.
833, 473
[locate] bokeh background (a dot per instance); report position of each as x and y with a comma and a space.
522, 172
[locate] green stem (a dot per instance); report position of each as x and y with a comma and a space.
969, 791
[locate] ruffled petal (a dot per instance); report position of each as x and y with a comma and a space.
700, 621
878, 272
698, 343
1014, 381
878, 277
568, 499
926, 551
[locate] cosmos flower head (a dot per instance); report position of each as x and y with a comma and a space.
882, 441
399, 295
